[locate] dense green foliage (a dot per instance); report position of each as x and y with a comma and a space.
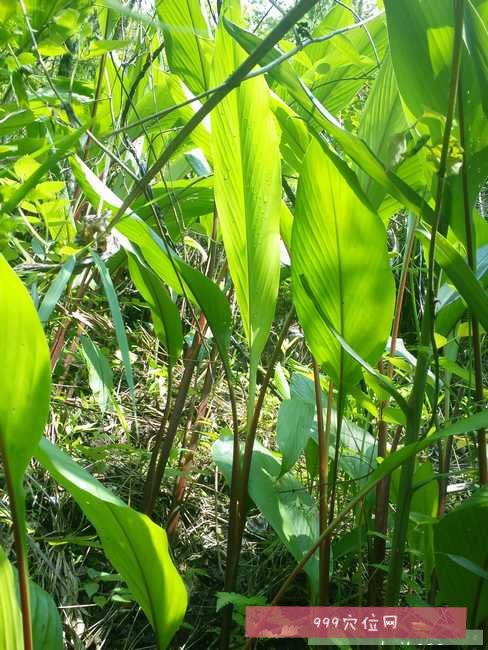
243, 270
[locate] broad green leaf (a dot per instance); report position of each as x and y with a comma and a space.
120, 333
180, 276
168, 90
352, 145
247, 187
180, 201
287, 506
25, 380
337, 17
297, 425
97, 48
11, 636
423, 31
294, 427
451, 306
343, 63
381, 379
100, 376
463, 278
382, 127
137, 547
188, 44
166, 317
56, 290
294, 134
335, 238
421, 35
47, 630
476, 30
462, 534
99, 195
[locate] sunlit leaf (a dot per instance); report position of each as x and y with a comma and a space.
247, 190
188, 44
335, 238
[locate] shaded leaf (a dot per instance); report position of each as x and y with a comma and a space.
461, 553
117, 319
56, 290
166, 317
284, 502
137, 547
47, 630
99, 372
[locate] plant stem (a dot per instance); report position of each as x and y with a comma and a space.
240, 481
323, 439
340, 416
375, 587
164, 441
414, 417
251, 435
471, 253
187, 461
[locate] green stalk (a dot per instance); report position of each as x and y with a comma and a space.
240, 480
323, 439
416, 401
375, 587
471, 253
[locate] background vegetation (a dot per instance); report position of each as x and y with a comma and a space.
242, 314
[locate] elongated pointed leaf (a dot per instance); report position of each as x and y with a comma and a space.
117, 319
382, 126
352, 145
339, 246
11, 637
25, 380
343, 63
99, 371
181, 277
461, 555
47, 630
166, 317
290, 510
247, 190
188, 44
137, 547
421, 31
463, 278
56, 290
382, 380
